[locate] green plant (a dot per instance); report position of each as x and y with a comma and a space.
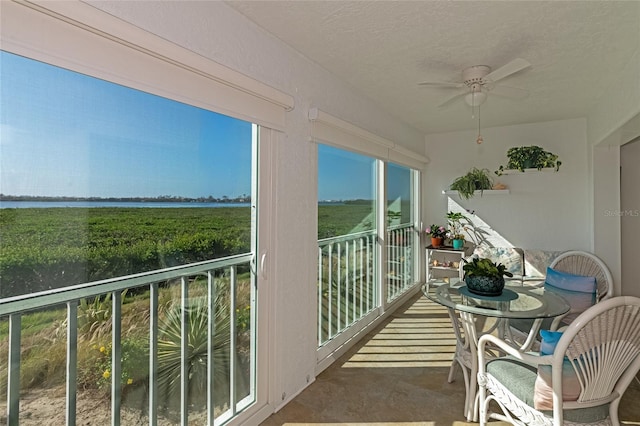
94, 317
134, 367
436, 231
529, 157
475, 180
483, 267
170, 351
455, 225
243, 318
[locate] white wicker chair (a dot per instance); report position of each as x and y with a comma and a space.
589, 265
602, 348
578, 263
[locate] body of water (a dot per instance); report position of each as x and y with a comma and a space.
91, 204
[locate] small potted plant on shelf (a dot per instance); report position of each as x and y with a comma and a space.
437, 234
455, 229
529, 157
475, 180
485, 277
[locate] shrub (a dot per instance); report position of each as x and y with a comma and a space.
169, 351
134, 362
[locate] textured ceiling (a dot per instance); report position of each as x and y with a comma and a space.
385, 48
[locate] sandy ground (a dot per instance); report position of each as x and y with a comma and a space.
46, 407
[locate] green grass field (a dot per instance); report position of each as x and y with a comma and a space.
43, 248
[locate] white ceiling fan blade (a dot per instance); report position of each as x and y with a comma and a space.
508, 69
510, 92
442, 84
451, 100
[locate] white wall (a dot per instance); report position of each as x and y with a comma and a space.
616, 114
218, 32
606, 184
606, 198
548, 211
630, 217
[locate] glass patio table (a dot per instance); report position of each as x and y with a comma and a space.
468, 312
516, 301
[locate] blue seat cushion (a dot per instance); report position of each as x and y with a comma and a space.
549, 341
579, 291
570, 282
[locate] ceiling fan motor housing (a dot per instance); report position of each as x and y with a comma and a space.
473, 77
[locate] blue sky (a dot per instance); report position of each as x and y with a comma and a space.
344, 175
66, 134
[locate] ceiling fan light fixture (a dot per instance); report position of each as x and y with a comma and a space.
475, 99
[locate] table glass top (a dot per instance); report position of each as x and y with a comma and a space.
517, 301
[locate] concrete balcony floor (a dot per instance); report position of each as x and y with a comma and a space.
397, 375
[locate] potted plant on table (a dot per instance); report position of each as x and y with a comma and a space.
437, 234
455, 229
485, 277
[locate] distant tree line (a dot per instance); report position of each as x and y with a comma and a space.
244, 198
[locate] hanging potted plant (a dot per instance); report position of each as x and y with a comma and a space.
475, 180
437, 234
529, 157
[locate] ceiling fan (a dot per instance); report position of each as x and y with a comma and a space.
478, 80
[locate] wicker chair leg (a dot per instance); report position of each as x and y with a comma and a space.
452, 371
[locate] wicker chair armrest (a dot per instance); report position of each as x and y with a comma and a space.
532, 359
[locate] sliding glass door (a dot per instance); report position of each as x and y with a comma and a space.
364, 262
402, 240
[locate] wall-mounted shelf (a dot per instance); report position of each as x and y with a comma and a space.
516, 171
484, 192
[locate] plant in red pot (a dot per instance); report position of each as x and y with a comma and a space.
437, 234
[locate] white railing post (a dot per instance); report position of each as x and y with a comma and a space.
72, 361
116, 357
13, 379
153, 354
184, 351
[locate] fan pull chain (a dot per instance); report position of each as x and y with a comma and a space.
479, 140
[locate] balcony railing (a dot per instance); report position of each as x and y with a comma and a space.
400, 261
346, 284
199, 341
346, 277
